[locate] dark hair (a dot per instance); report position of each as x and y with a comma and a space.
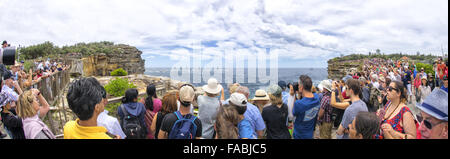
151, 92
401, 89
240, 109
354, 85
83, 95
367, 124
306, 82
388, 82
130, 95
226, 123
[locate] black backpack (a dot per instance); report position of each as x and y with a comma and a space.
132, 126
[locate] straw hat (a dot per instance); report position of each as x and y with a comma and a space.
261, 95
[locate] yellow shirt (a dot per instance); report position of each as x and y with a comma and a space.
72, 130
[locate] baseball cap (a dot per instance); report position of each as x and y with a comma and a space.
187, 94
7, 75
274, 90
282, 84
238, 99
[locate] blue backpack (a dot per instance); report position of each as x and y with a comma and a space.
184, 127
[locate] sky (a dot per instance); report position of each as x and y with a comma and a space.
302, 33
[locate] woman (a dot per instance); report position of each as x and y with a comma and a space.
365, 126
276, 115
226, 123
424, 89
152, 105
397, 119
31, 111
152, 101
131, 108
169, 105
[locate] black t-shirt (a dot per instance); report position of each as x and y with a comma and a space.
14, 125
276, 120
170, 119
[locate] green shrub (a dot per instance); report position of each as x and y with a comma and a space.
119, 72
427, 67
118, 86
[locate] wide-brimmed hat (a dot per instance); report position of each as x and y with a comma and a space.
213, 86
261, 95
436, 104
325, 84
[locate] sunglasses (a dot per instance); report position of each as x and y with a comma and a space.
427, 123
392, 88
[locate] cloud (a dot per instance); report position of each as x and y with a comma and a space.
306, 29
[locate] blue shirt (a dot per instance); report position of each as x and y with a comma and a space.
305, 111
253, 115
246, 130
445, 89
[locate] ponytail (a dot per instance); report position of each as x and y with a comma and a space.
151, 93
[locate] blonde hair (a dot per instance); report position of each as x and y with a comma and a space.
25, 105
275, 100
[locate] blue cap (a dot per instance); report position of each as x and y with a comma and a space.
282, 84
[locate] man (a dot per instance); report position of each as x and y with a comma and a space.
305, 110
351, 112
365, 91
284, 93
434, 111
252, 114
445, 83
109, 122
4, 44
186, 97
407, 82
375, 83
441, 71
9, 84
86, 99
325, 112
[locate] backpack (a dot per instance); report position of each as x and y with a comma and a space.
374, 104
131, 126
184, 127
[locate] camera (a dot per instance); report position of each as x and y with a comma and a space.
7, 55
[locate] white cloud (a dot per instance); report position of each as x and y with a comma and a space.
294, 29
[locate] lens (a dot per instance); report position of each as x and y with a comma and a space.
427, 124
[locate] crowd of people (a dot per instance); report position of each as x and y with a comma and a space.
21, 105
375, 103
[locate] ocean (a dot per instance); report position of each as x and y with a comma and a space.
289, 75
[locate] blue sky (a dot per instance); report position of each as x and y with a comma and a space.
303, 33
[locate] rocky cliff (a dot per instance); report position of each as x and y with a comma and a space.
338, 69
101, 64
